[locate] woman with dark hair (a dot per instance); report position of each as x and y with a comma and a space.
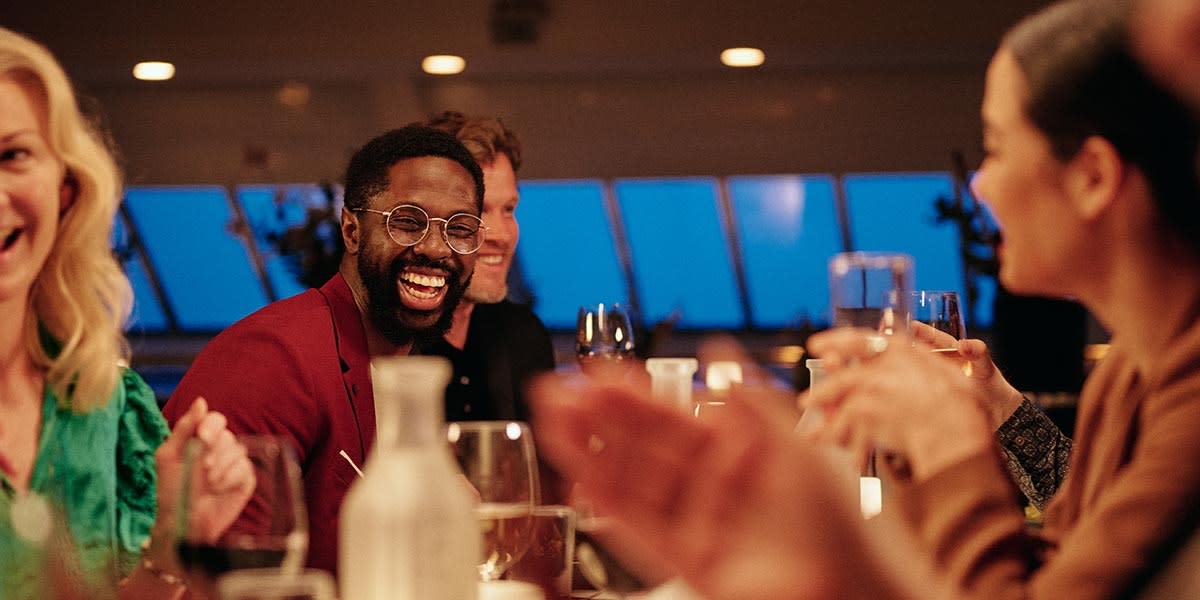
1090, 172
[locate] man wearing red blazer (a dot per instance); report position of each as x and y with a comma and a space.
299, 368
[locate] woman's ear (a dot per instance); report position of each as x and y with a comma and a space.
1094, 177
351, 232
67, 193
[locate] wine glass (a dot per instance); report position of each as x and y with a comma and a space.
942, 311
498, 460
270, 533
603, 333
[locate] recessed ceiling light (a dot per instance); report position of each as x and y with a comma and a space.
154, 71
742, 57
443, 64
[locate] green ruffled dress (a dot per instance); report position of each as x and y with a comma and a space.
96, 474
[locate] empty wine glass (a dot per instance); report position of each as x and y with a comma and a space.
603, 334
498, 460
271, 532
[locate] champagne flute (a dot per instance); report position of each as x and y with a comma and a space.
942, 311
270, 533
603, 333
498, 460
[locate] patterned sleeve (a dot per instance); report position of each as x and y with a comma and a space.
1035, 451
141, 430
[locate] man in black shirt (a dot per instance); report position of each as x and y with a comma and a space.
495, 345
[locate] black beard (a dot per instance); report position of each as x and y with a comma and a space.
385, 308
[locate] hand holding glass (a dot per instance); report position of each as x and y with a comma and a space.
942, 311
272, 531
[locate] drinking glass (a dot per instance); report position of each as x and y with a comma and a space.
871, 289
550, 561
498, 460
271, 584
603, 333
942, 311
271, 532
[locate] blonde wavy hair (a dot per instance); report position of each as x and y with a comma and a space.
81, 296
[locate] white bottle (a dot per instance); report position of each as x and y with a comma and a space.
408, 530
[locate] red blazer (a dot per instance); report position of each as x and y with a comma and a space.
297, 368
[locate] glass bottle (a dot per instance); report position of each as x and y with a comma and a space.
407, 527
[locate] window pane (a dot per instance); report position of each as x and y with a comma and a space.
566, 252
788, 228
896, 212
681, 263
203, 267
148, 314
279, 214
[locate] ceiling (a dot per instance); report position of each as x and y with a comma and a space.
230, 42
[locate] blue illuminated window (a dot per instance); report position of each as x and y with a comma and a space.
148, 315
788, 229
566, 252
202, 265
895, 212
681, 262
273, 210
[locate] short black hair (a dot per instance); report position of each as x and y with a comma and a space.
367, 173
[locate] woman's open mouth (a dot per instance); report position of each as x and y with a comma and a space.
9, 238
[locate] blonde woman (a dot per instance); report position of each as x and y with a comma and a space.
80, 435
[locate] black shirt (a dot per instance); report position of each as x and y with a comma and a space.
506, 345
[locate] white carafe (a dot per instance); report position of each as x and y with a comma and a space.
408, 531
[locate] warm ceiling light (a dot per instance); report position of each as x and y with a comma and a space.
443, 64
742, 57
154, 71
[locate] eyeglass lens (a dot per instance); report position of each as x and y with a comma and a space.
408, 225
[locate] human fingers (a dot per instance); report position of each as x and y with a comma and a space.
225, 462
172, 448
211, 428
561, 431
930, 335
644, 450
843, 346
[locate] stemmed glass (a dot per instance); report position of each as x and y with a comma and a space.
271, 532
942, 311
603, 333
498, 460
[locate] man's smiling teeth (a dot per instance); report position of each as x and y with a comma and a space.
434, 282
492, 260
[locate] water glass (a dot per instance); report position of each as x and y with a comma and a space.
550, 560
